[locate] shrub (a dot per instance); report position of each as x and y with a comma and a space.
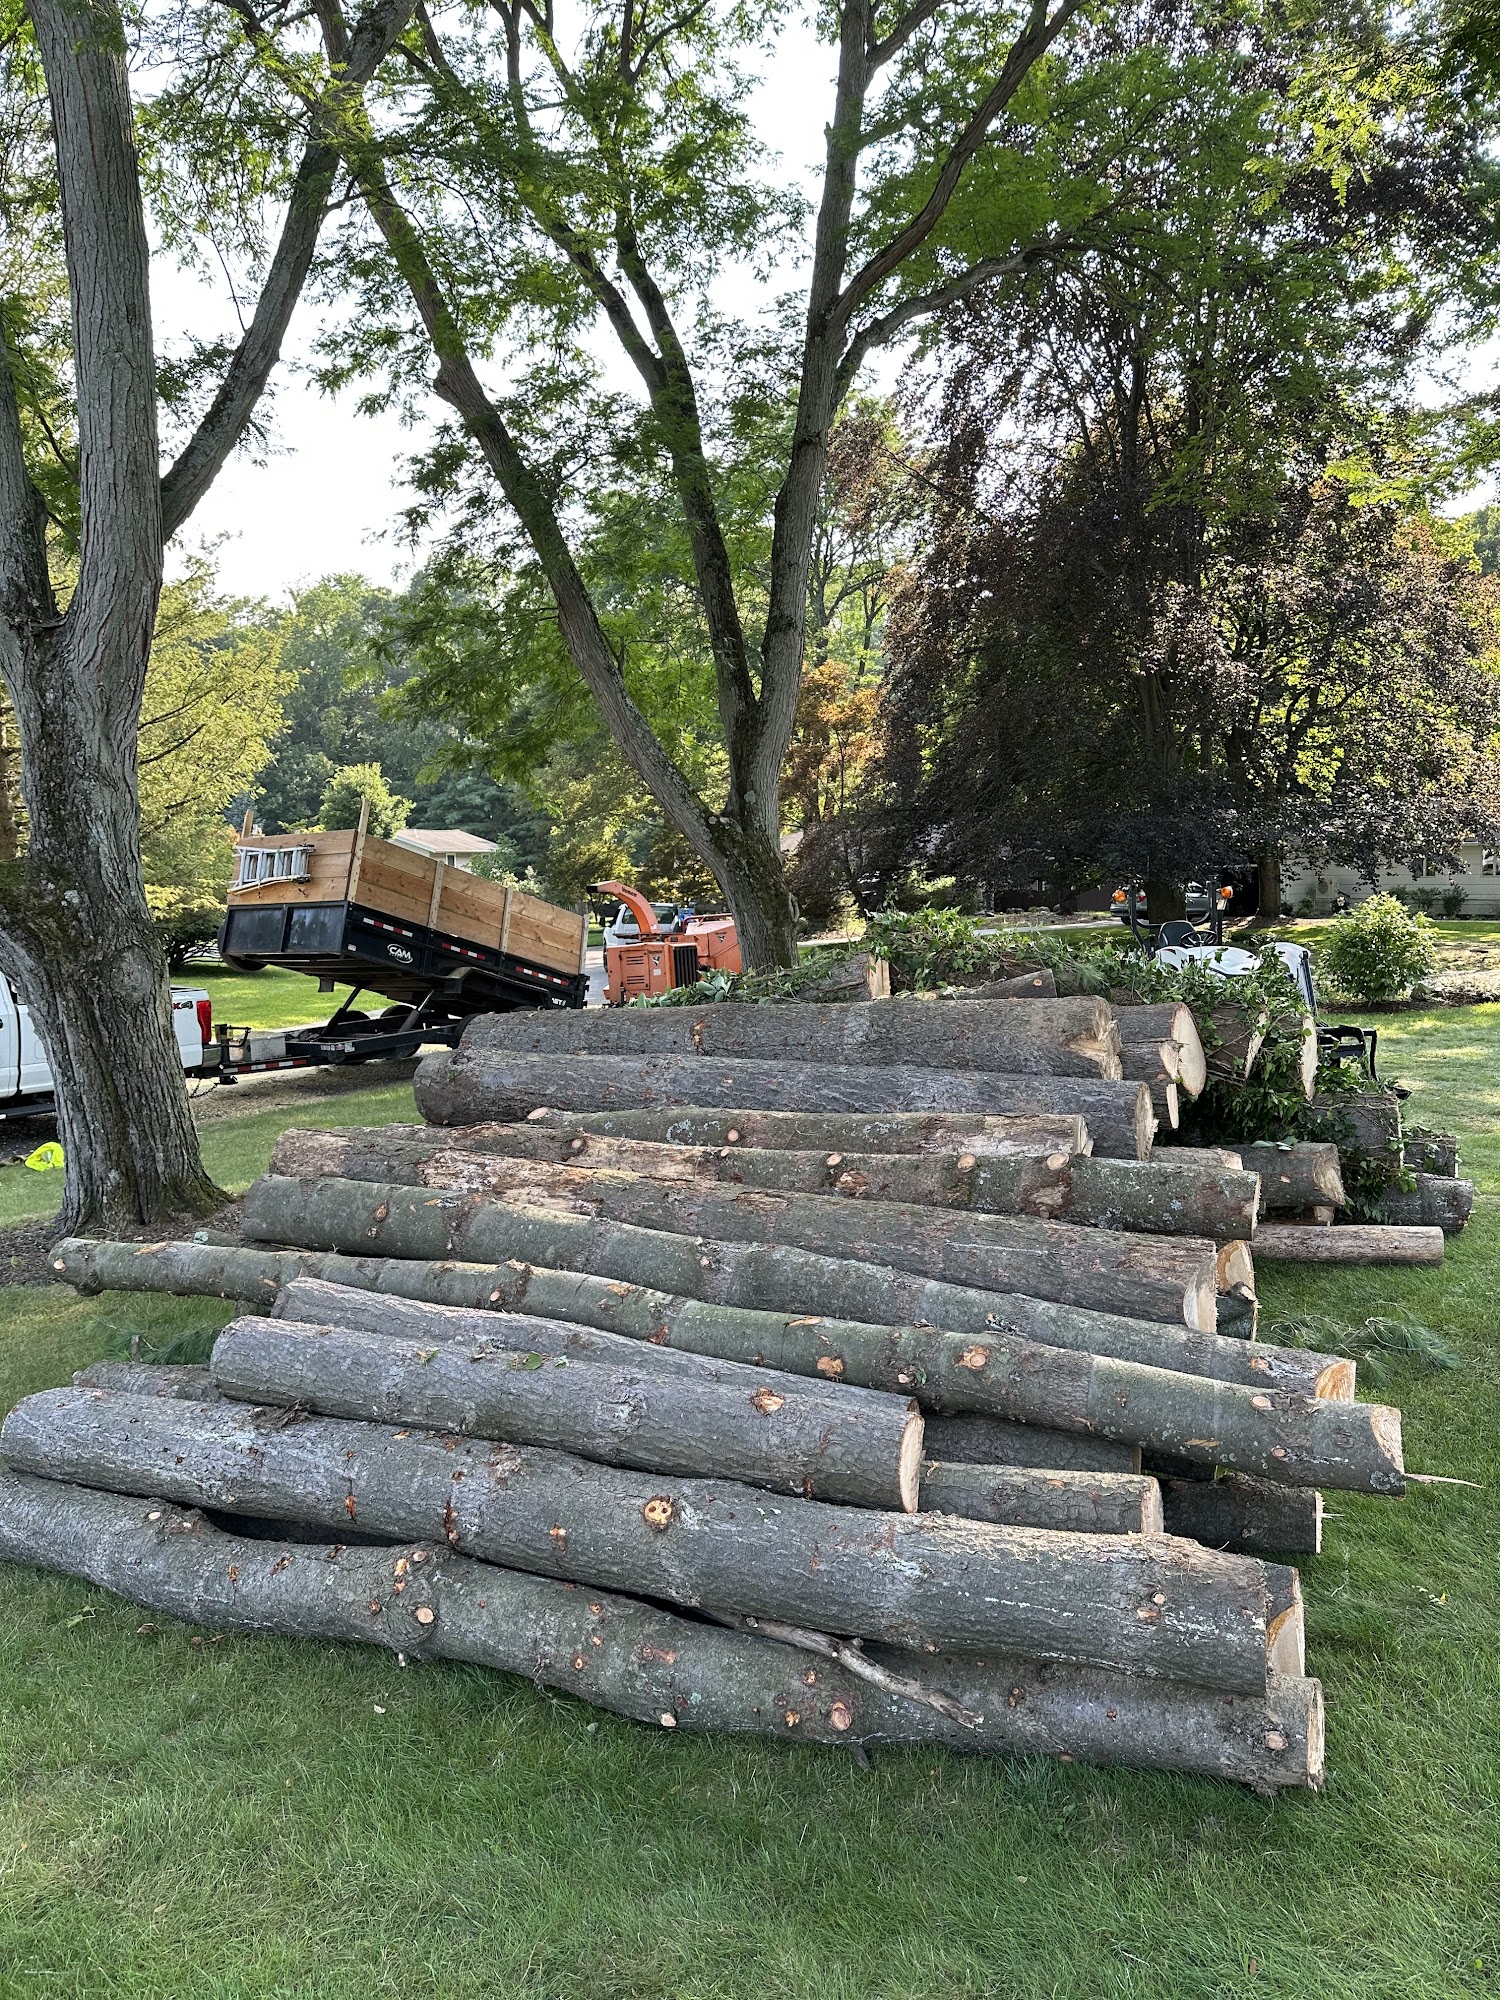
1380, 951
346, 792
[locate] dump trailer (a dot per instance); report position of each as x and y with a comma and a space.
436, 943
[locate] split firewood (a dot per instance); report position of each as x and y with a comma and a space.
460, 1087
814, 1131
650, 1665
1169, 1024
1167, 1278
1294, 1178
916, 1581
772, 1433
1019, 1038
924, 1354
1154, 1197
1433, 1200
1349, 1243
1019, 1496
1248, 1516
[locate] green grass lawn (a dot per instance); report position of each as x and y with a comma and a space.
273, 998
246, 1819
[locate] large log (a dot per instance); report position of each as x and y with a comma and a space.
1248, 1516
1433, 1200
1349, 1243
823, 1131
1303, 1440
459, 1088
1361, 1122
1172, 1279
858, 977
917, 1581
1239, 1034
775, 1434
1151, 1197
1430, 1153
1169, 1025
923, 1354
1040, 985
1090, 1503
638, 1661
1018, 1037
1295, 1177
972, 1439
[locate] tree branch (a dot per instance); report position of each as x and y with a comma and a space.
880, 52
1035, 39
223, 425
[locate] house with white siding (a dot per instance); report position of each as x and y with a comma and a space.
1426, 884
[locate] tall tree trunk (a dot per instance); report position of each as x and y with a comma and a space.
1268, 873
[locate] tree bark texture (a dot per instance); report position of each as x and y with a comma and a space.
1014, 1037
924, 1355
636, 1660
914, 1581
773, 1434
1169, 1024
1368, 1123
1172, 1279
1087, 1503
1146, 1197
1150, 1062
1430, 1153
1434, 1200
458, 1088
1283, 1435
1238, 1038
1020, 986
1252, 1517
1349, 1243
858, 977
817, 1131
1293, 1178
972, 1439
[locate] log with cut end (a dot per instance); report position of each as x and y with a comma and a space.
1018, 1496
1295, 1177
1430, 1153
1150, 1062
1041, 985
1367, 1123
771, 1433
1238, 1035
813, 1131
1348, 1243
1153, 1197
860, 976
1167, 1278
973, 1439
462, 1088
1432, 1201
1159, 1028
917, 1581
1017, 1037
668, 1672
191, 1384
1166, 1106
1248, 1516
909, 1336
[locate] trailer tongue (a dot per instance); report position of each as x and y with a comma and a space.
435, 942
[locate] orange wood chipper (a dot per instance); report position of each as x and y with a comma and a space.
677, 955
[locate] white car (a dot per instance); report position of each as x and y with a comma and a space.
622, 927
26, 1075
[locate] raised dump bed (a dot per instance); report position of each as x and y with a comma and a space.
440, 943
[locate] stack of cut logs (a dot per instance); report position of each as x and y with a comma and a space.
850, 1372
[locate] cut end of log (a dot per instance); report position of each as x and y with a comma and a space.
1286, 1635
909, 1463
1335, 1383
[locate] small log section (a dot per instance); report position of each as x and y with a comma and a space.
1165, 1040
1154, 1197
1238, 1038
821, 1131
972, 1439
1294, 1178
1434, 1201
1350, 1243
1430, 1153
1248, 1516
774, 1434
1015, 1037
915, 1581
1089, 1503
1367, 1123
1020, 986
663, 1671
459, 1088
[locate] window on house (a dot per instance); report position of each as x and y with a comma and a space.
1489, 861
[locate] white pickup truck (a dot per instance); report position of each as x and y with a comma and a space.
25, 1076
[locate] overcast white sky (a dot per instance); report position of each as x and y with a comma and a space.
325, 501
